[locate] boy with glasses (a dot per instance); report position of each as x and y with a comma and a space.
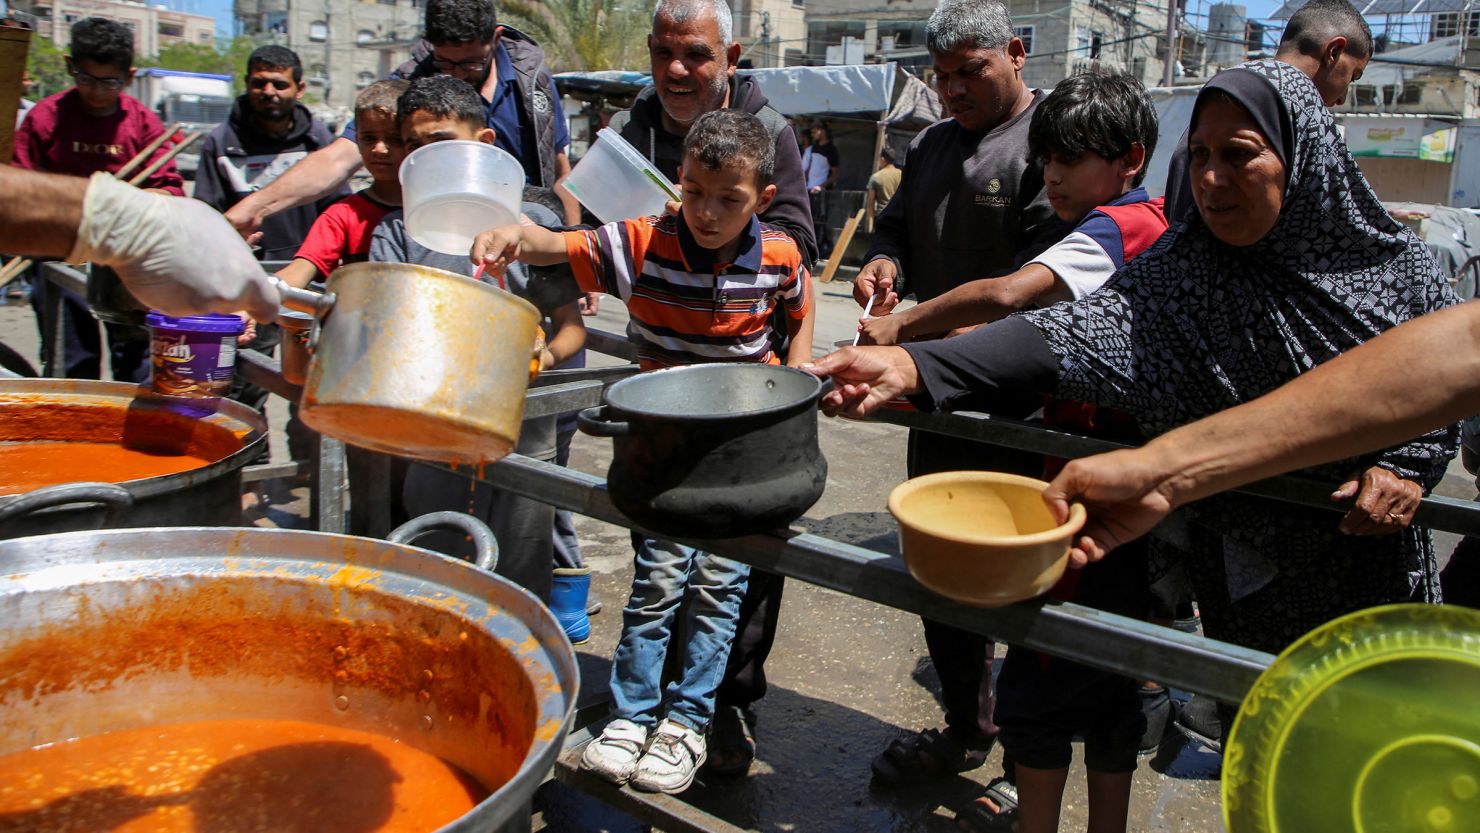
95, 127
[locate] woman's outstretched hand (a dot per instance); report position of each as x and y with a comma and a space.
865, 378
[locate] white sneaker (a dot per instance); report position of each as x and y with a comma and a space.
614, 755
675, 754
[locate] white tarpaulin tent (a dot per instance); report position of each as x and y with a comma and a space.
860, 88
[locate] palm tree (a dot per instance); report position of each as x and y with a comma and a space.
583, 34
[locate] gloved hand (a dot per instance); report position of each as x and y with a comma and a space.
176, 255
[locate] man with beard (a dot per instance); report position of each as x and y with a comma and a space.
462, 38
693, 65
694, 55
970, 205
269, 132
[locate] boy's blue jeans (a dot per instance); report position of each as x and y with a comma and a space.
667, 574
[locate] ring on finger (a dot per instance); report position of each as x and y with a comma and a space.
1395, 516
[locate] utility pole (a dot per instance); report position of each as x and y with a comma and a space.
1168, 75
766, 37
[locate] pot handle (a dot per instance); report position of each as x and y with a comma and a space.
116, 498
484, 543
593, 421
826, 386
302, 300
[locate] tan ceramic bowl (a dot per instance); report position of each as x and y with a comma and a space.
982, 538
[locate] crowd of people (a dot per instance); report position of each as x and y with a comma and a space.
1045, 279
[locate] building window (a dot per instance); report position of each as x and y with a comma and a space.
171, 30
822, 34
1024, 34
317, 75
318, 31
902, 34
1446, 25
364, 79
364, 36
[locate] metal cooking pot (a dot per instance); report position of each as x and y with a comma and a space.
415, 361
712, 450
113, 411
115, 630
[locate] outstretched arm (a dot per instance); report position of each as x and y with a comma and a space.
976, 302
497, 248
319, 174
1378, 395
154, 242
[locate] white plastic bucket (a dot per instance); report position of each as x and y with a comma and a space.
452, 191
615, 182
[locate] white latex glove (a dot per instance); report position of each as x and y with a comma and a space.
176, 255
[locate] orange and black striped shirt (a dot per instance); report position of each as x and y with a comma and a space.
685, 307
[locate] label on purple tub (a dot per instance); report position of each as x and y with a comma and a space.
194, 357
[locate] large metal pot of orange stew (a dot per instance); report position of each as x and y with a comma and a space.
230, 680
78, 454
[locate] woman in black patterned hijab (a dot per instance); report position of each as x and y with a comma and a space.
1289, 261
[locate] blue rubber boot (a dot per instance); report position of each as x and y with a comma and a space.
568, 591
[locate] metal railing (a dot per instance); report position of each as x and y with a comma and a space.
1115, 643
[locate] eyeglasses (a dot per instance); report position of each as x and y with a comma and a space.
112, 85
466, 66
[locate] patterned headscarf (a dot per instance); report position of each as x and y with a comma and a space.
1194, 325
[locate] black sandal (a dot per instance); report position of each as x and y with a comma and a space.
926, 755
731, 741
979, 817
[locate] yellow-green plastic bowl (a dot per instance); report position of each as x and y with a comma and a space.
1368, 724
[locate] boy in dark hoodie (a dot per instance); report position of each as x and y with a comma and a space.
269, 131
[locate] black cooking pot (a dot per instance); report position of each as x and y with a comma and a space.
712, 450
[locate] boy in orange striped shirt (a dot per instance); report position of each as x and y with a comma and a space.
700, 287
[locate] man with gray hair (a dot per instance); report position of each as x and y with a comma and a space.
694, 54
971, 205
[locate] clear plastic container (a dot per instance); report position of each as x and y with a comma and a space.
615, 182
453, 191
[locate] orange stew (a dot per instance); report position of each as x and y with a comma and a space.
232, 776
44, 443
27, 466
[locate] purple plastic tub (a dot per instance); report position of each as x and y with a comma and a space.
194, 358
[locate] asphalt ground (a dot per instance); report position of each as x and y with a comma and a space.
846, 676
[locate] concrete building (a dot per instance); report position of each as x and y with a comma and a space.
774, 31
1114, 35
1061, 37
345, 45
154, 26
884, 30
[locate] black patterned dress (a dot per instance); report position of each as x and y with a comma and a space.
1195, 326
